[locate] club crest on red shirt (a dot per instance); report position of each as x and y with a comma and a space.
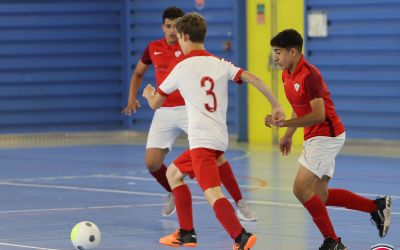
178, 53
297, 87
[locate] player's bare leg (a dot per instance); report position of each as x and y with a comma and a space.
154, 162
321, 188
244, 212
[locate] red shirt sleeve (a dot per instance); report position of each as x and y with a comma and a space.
146, 56
314, 87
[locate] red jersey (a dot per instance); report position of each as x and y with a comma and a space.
160, 54
304, 85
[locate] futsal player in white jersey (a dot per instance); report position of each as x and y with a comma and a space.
171, 119
202, 80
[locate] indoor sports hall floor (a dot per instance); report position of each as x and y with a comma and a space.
47, 186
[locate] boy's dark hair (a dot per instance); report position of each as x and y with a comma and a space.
288, 39
172, 13
194, 25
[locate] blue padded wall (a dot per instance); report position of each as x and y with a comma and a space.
360, 63
65, 64
61, 65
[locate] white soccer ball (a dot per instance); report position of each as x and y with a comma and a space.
85, 235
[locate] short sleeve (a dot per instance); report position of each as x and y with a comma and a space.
170, 83
146, 56
235, 73
314, 87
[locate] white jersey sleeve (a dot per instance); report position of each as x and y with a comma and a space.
234, 73
171, 83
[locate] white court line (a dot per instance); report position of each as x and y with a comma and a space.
238, 158
23, 246
87, 208
136, 205
152, 180
120, 177
5, 183
257, 202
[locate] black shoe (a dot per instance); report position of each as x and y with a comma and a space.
331, 244
244, 241
381, 217
180, 238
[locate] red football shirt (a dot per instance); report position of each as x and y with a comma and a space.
304, 85
160, 54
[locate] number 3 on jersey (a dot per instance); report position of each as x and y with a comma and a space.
210, 92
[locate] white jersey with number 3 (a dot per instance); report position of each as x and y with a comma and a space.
202, 79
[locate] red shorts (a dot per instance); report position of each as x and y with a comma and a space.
202, 164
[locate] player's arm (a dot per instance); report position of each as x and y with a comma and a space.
317, 115
168, 85
260, 85
285, 143
291, 130
314, 89
135, 83
277, 111
154, 99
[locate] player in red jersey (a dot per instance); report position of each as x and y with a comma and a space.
324, 136
202, 79
171, 120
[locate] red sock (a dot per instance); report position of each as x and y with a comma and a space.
227, 217
318, 211
229, 181
183, 204
161, 177
350, 200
